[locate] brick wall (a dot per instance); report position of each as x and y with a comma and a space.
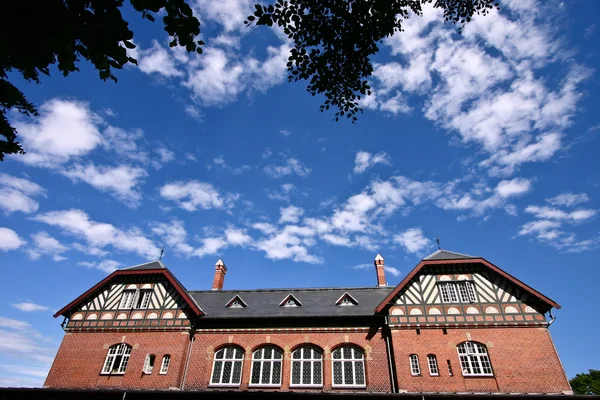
523, 359
81, 356
376, 367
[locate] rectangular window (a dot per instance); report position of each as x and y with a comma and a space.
414, 365
433, 366
164, 368
454, 292
143, 299
127, 299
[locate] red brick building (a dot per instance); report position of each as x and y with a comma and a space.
455, 324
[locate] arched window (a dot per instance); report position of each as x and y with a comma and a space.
348, 367
164, 367
149, 364
307, 367
415, 369
474, 360
227, 367
266, 367
117, 359
433, 365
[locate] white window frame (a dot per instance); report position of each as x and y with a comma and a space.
434, 369
457, 292
149, 364
415, 368
260, 364
234, 359
474, 357
127, 299
164, 366
356, 356
118, 350
313, 359
144, 299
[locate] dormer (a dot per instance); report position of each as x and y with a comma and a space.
290, 301
346, 300
236, 302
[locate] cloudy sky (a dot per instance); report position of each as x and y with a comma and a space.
488, 140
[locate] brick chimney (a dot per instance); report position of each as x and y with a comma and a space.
380, 271
220, 271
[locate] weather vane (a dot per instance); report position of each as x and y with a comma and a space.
162, 251
437, 239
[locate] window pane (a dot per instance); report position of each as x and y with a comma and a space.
347, 352
475, 364
219, 354
255, 372
306, 372
337, 373
485, 364
306, 353
296, 354
452, 291
348, 374
337, 354
239, 354
276, 379
229, 352
277, 354
471, 291
266, 372
295, 373
268, 353
464, 365
226, 371
358, 354
317, 373
359, 373
216, 376
317, 355
237, 372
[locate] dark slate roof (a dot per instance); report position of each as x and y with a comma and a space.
448, 255
149, 265
265, 303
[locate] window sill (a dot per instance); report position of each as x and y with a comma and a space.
224, 385
307, 386
479, 376
261, 385
112, 373
162, 373
349, 386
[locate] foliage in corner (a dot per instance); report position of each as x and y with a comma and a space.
586, 383
334, 40
35, 35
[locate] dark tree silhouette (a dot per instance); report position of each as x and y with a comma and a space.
333, 42
586, 383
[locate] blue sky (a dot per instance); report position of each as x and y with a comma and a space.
487, 140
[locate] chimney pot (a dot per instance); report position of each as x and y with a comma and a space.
379, 268
220, 271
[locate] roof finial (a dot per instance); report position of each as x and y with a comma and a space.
162, 251
437, 239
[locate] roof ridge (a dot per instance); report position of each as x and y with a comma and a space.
440, 251
290, 290
146, 263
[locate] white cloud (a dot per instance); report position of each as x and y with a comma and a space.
291, 166
44, 244
121, 181
9, 240
107, 266
285, 132
174, 236
99, 235
65, 129
30, 307
158, 60
290, 243
164, 156
390, 270
284, 194
16, 194
231, 236
365, 160
219, 162
393, 271
193, 194
228, 13
20, 341
568, 199
514, 187
543, 212
290, 214
125, 143
412, 240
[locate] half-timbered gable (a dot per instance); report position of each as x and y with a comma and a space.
146, 295
454, 288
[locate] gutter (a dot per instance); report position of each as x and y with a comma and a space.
189, 355
391, 358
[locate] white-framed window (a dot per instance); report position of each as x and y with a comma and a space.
164, 367
415, 369
227, 367
474, 360
117, 359
455, 292
348, 367
135, 299
266, 367
433, 365
307, 367
127, 299
149, 364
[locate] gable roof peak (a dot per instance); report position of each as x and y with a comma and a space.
378, 257
220, 262
448, 255
290, 299
156, 264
